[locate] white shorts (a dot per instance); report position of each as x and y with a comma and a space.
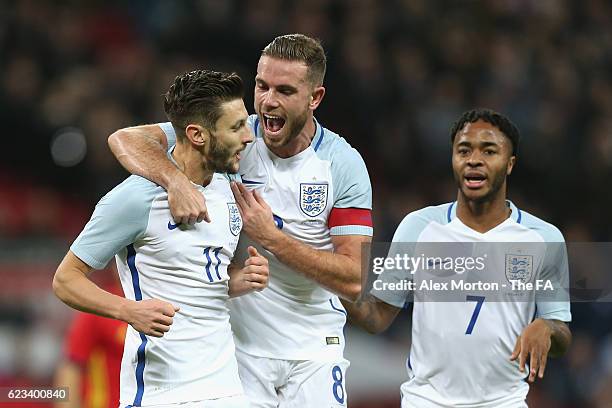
407, 404
273, 383
417, 394
236, 401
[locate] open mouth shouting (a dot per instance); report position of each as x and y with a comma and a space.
273, 124
474, 179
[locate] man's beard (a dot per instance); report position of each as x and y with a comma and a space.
219, 157
296, 126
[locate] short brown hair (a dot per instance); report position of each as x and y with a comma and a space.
197, 96
299, 47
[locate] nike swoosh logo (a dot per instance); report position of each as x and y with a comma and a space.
172, 226
245, 181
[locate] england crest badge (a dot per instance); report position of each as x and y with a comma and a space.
313, 198
519, 267
235, 221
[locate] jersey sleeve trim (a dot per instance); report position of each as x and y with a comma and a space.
352, 230
563, 315
87, 258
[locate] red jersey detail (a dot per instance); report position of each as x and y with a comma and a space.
349, 216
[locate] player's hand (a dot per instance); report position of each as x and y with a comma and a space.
152, 317
187, 203
534, 343
253, 276
257, 219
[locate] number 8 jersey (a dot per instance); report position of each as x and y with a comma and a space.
322, 191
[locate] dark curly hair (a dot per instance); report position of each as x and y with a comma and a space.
496, 119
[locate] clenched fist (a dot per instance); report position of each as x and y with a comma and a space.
152, 317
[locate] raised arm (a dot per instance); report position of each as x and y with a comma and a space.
142, 150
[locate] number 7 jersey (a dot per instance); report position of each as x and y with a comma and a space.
462, 341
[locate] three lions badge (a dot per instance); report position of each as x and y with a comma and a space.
519, 267
313, 198
235, 221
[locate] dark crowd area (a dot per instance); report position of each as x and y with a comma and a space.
399, 74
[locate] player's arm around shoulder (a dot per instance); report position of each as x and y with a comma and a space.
142, 150
253, 276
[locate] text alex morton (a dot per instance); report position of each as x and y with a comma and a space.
458, 264
430, 285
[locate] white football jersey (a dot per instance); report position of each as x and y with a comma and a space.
322, 191
181, 264
460, 349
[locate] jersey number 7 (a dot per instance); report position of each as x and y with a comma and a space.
479, 301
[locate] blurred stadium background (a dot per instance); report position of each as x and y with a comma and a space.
399, 73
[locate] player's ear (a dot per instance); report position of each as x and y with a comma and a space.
511, 164
316, 97
196, 134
